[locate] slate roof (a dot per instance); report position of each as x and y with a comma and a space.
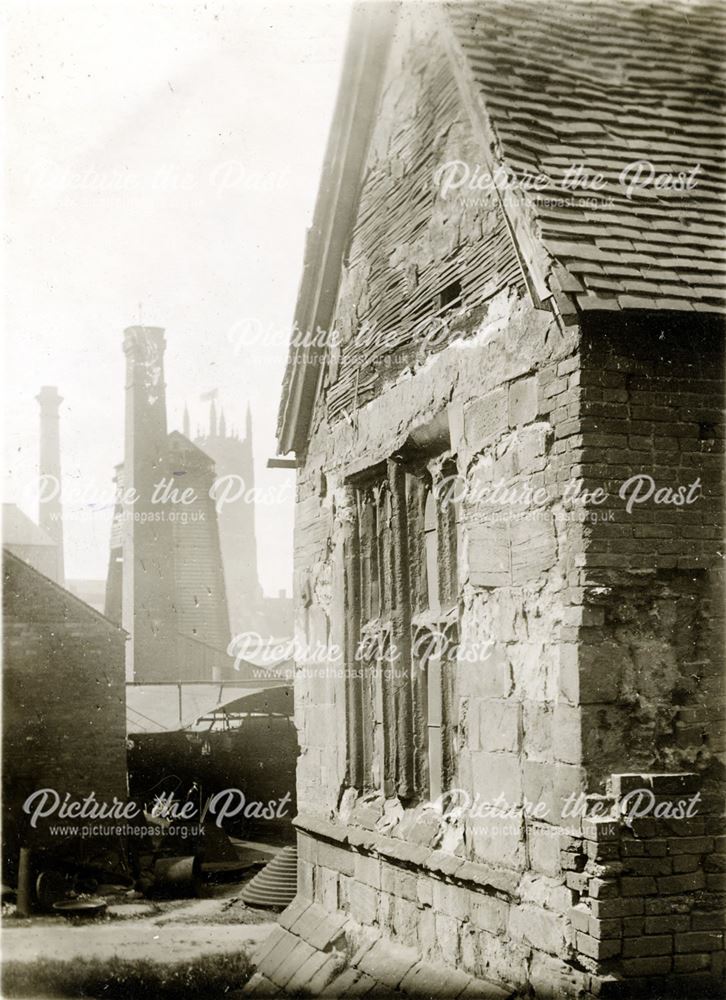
30, 597
604, 85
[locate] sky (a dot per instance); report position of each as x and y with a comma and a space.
163, 164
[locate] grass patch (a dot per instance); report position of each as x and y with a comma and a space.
209, 976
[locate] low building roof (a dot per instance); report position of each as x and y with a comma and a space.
18, 529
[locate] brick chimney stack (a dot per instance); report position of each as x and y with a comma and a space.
50, 508
148, 613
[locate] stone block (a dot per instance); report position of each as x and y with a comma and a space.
567, 734
522, 401
614, 907
338, 858
568, 675
455, 416
537, 726
539, 928
425, 890
368, 870
498, 841
326, 887
488, 555
486, 418
488, 913
491, 677
426, 933
533, 549
305, 879
497, 774
447, 937
451, 899
399, 882
595, 948
307, 847
363, 902
580, 918
600, 888
544, 849
405, 921
499, 725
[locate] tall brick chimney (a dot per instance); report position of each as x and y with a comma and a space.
148, 612
50, 508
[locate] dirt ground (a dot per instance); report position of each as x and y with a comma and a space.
155, 930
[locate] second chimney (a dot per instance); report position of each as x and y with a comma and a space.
50, 507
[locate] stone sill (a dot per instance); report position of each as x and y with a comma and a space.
437, 862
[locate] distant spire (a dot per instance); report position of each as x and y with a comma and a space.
248, 423
185, 425
212, 419
222, 424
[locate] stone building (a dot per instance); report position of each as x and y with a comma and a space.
509, 513
250, 610
64, 704
235, 470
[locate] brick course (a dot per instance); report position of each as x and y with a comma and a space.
64, 702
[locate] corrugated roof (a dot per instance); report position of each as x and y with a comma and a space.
159, 708
605, 85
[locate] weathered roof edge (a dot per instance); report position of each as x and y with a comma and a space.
9, 556
550, 283
541, 271
366, 51
548, 277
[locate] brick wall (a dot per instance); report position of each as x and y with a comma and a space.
651, 397
650, 888
64, 702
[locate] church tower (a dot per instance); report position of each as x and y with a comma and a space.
234, 457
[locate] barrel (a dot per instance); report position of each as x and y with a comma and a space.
178, 877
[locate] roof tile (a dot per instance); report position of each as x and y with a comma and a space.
604, 85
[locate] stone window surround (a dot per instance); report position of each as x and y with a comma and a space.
381, 614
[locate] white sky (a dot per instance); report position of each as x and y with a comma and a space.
168, 154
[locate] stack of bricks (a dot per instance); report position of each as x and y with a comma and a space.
650, 888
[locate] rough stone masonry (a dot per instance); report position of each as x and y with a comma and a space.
509, 523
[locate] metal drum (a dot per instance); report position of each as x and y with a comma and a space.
178, 877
